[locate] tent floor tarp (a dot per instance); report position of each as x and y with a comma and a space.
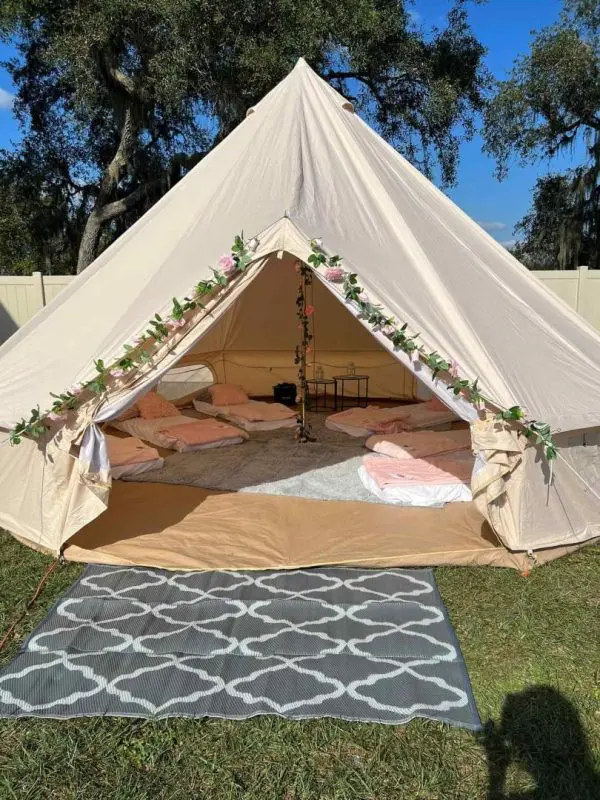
183, 527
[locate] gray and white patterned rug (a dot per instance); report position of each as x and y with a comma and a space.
369, 645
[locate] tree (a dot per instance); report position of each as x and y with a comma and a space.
550, 103
545, 232
140, 90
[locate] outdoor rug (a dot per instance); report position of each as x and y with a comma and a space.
368, 645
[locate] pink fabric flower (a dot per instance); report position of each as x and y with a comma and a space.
309, 311
228, 265
176, 323
454, 368
117, 373
140, 339
334, 274
363, 297
388, 330
75, 389
54, 416
414, 355
309, 349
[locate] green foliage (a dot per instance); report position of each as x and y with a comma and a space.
177, 312
118, 99
511, 414
437, 364
32, 428
550, 103
558, 231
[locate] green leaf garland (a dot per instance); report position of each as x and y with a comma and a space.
140, 353
440, 366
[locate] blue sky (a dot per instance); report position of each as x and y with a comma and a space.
504, 27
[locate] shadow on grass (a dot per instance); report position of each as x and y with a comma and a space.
541, 733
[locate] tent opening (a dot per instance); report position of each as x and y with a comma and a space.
252, 344
174, 522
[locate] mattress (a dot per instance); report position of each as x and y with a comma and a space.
416, 417
228, 413
149, 431
419, 444
412, 492
130, 456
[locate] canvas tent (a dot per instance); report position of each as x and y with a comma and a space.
303, 164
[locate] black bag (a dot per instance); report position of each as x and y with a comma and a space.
285, 393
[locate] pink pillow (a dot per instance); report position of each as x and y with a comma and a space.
154, 406
435, 404
225, 394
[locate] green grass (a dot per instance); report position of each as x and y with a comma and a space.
532, 646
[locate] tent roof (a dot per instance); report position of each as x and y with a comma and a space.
303, 154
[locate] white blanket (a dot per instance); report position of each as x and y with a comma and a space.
426, 495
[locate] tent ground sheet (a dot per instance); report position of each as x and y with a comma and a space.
372, 645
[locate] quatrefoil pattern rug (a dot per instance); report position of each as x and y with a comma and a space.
369, 645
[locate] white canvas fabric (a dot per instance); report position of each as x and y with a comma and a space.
303, 164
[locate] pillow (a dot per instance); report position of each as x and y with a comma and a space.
435, 404
225, 394
154, 406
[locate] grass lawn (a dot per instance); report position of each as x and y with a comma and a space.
532, 646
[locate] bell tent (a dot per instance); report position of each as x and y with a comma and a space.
491, 341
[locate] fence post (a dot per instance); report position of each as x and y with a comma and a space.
582, 273
38, 289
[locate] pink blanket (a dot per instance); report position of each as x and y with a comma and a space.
260, 411
129, 450
440, 470
419, 444
369, 417
201, 431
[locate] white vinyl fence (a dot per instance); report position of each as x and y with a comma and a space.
23, 296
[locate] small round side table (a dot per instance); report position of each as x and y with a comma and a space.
322, 384
362, 400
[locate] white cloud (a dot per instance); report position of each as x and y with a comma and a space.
491, 226
6, 99
508, 243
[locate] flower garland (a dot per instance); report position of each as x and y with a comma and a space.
231, 266
304, 313
440, 366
